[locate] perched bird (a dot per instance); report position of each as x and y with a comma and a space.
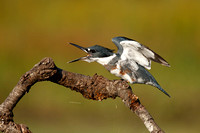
130, 62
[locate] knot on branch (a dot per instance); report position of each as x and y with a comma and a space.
133, 101
16, 128
97, 88
6, 116
41, 71
44, 70
90, 87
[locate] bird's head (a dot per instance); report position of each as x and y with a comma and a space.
93, 53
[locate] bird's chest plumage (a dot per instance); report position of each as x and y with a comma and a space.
120, 70
119, 67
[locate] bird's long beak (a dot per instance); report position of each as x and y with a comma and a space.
81, 58
82, 48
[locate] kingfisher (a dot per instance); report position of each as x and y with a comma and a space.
131, 62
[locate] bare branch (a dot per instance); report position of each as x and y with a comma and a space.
95, 88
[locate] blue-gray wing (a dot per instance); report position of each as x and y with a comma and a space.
132, 50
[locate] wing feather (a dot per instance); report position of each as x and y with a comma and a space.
133, 50
151, 55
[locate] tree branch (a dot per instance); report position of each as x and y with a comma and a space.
95, 88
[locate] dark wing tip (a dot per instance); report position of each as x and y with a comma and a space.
167, 65
157, 58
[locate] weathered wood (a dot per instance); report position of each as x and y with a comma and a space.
95, 88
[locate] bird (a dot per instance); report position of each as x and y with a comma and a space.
131, 62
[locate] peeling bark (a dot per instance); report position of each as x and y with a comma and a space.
95, 88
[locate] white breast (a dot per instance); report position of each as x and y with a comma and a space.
104, 60
127, 78
116, 71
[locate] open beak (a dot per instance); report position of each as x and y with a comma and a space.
81, 58
82, 48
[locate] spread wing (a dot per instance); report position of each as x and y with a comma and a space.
134, 51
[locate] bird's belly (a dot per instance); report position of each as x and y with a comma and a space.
127, 78
118, 72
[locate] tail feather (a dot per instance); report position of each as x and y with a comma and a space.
146, 78
160, 88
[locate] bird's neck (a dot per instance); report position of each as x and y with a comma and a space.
105, 60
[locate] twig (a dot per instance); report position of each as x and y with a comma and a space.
95, 88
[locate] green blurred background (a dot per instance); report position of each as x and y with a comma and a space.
32, 30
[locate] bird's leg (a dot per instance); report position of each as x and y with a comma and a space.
125, 80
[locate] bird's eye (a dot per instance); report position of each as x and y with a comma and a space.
92, 50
